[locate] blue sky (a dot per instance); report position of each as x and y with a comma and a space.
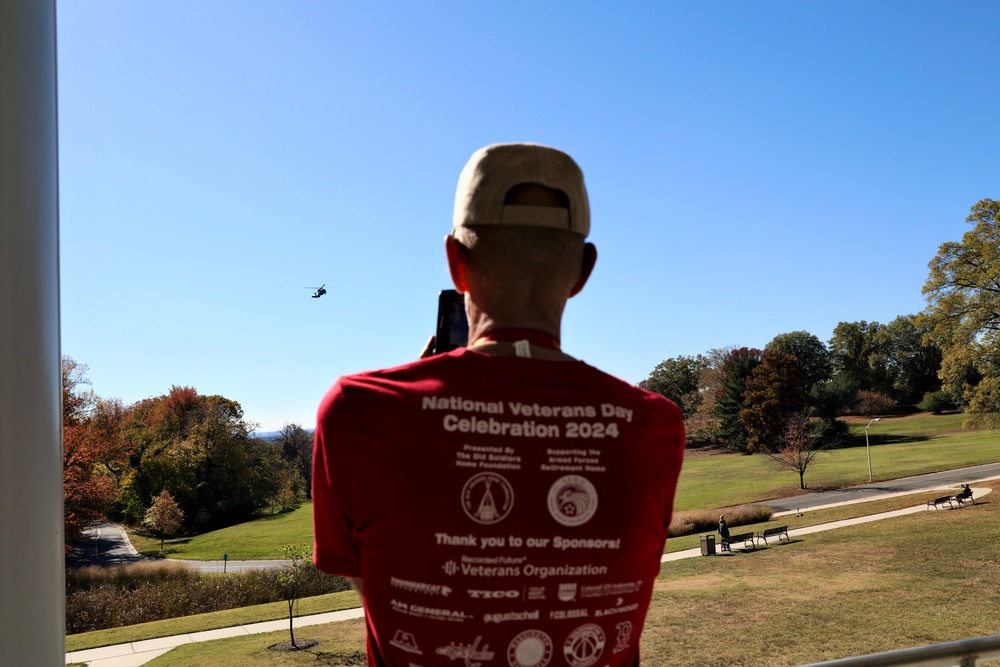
753, 169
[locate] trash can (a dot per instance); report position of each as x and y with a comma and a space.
708, 545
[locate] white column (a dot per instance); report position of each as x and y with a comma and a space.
32, 607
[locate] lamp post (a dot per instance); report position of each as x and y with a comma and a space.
868, 449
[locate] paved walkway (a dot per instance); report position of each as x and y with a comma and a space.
134, 654
139, 653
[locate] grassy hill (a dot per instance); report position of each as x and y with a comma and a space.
261, 539
900, 446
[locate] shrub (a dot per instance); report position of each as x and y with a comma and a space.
98, 598
873, 403
700, 521
936, 402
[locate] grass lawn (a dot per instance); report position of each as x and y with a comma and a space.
318, 604
900, 446
924, 578
813, 518
261, 539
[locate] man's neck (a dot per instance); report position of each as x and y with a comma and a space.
502, 341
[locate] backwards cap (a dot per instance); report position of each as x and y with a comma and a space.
492, 171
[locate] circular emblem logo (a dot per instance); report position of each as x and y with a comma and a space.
531, 648
572, 500
584, 645
487, 498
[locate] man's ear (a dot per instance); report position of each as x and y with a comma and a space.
457, 254
586, 267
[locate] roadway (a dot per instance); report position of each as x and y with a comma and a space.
107, 544
885, 489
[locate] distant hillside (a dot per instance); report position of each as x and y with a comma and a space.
271, 436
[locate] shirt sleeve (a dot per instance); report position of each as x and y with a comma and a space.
335, 520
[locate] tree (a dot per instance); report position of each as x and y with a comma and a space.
87, 491
814, 358
833, 398
911, 360
296, 449
199, 448
290, 579
963, 313
800, 445
77, 402
774, 391
164, 517
856, 350
676, 378
737, 365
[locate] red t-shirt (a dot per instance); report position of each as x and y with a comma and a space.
502, 511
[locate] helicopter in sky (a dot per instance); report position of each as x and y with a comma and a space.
320, 291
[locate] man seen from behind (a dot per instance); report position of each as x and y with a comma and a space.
503, 503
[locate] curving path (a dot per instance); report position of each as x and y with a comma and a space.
108, 544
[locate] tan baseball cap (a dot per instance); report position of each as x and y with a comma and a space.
492, 171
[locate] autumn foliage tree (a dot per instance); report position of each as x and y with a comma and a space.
164, 517
963, 314
200, 449
775, 390
87, 489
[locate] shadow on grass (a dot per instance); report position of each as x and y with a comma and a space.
338, 658
759, 548
882, 439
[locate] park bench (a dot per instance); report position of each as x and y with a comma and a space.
746, 538
940, 501
777, 531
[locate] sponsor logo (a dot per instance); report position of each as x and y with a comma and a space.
471, 654
624, 630
617, 610
502, 617
536, 592
584, 645
572, 500
567, 592
531, 648
601, 590
487, 498
404, 641
563, 614
511, 567
419, 587
421, 611
494, 595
